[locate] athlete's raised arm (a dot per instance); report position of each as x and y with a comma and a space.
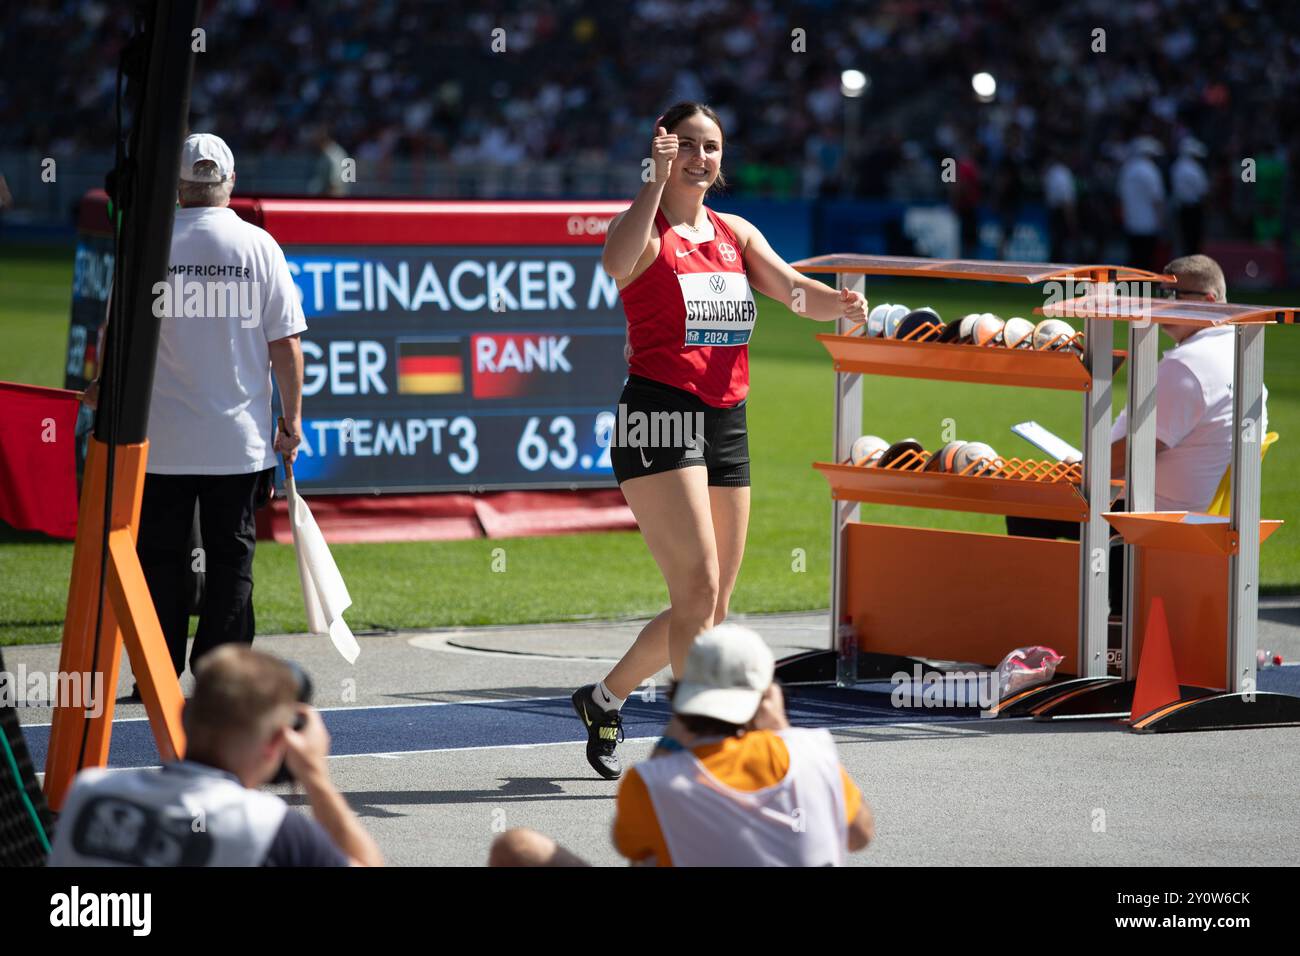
772, 276
630, 231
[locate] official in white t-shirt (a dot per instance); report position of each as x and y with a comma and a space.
231, 319
1193, 399
1188, 186
1060, 196
1141, 192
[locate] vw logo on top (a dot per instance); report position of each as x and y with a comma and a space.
717, 283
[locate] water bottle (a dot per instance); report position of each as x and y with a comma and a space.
847, 636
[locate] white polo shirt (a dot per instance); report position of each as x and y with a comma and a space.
210, 413
1193, 419
1141, 191
1058, 186
1188, 181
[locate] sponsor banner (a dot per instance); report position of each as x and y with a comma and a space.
92, 281
875, 227
393, 222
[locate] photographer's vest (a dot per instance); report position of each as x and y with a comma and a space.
183, 814
798, 821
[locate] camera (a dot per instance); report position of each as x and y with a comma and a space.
304, 697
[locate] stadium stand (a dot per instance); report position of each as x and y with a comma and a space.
401, 80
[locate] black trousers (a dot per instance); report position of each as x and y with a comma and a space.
1142, 252
1190, 220
1058, 231
227, 504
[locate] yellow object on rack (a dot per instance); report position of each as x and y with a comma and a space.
1219, 506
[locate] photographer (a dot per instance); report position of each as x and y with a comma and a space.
730, 783
244, 720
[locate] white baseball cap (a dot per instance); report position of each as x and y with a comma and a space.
727, 672
205, 146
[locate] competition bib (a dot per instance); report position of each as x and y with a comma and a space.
720, 308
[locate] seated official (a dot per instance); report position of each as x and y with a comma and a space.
206, 810
1193, 399
1193, 408
731, 783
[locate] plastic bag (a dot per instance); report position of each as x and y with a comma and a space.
1026, 667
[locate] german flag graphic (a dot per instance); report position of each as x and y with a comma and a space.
430, 367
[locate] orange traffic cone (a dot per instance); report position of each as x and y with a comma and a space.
1157, 680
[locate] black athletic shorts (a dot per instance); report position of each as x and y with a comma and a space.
659, 428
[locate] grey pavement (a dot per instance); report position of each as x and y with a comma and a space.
980, 792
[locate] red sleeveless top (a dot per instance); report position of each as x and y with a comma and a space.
690, 315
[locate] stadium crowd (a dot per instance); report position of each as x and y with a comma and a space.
581, 80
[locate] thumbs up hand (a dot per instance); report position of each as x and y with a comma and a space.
663, 150
853, 305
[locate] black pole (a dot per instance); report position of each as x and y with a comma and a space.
147, 193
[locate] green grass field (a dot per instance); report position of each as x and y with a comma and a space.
407, 585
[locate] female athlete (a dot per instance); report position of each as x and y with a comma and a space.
680, 449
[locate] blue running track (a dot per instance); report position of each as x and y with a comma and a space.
457, 726
549, 720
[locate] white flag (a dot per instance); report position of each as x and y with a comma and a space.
323, 591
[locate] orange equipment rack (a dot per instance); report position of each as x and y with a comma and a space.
881, 574
1204, 569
